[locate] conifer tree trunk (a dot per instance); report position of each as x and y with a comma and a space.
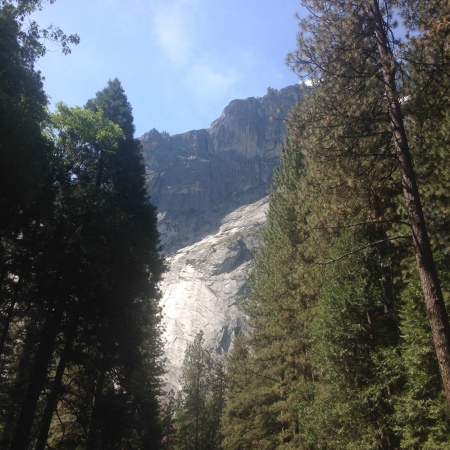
431, 288
56, 386
10, 312
92, 439
43, 357
8, 318
9, 421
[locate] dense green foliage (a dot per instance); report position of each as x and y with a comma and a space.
199, 404
348, 335
81, 356
340, 351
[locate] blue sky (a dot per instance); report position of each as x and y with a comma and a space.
180, 61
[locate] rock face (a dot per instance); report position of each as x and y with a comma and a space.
198, 177
209, 187
205, 282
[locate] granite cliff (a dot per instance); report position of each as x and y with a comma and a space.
210, 188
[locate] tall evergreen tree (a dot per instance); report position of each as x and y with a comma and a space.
336, 252
421, 416
26, 191
24, 152
349, 48
129, 354
355, 350
249, 420
277, 366
201, 400
26, 155
67, 267
106, 253
421, 413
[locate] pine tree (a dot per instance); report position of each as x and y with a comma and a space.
105, 252
25, 153
348, 48
67, 235
242, 416
25, 172
329, 347
421, 411
355, 350
26, 193
201, 400
126, 294
277, 372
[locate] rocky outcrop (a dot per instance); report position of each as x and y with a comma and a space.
198, 177
210, 189
205, 283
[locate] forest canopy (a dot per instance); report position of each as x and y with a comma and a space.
347, 344
81, 353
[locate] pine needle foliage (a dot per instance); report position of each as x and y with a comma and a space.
201, 401
339, 353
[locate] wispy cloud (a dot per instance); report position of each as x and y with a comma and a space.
178, 25
211, 79
174, 24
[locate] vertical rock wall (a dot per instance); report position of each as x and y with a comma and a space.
209, 187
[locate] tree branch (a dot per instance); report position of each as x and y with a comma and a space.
351, 225
372, 244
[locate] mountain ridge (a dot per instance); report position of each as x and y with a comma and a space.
211, 188
196, 178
